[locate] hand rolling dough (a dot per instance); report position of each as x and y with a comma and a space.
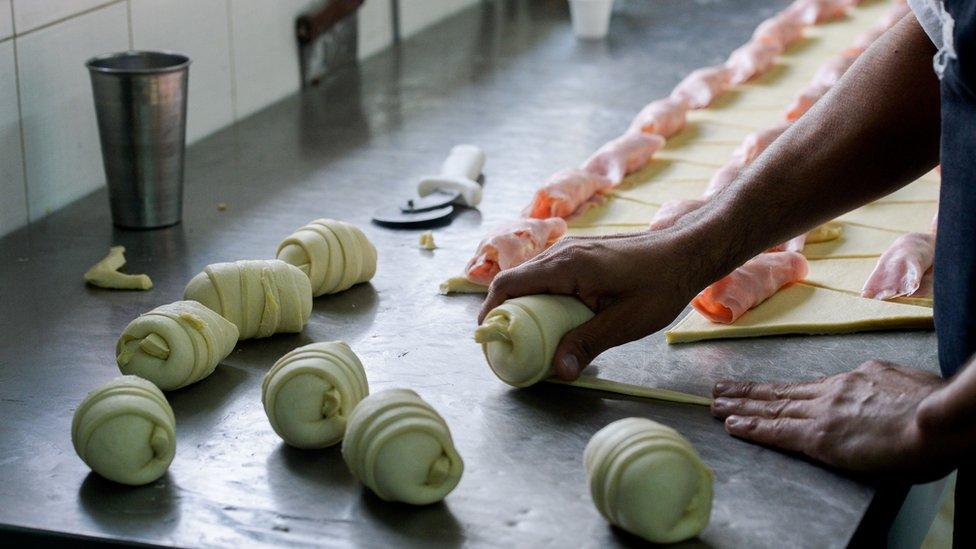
335, 255
261, 297
648, 479
175, 345
309, 393
105, 273
401, 449
125, 431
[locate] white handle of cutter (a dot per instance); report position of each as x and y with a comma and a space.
459, 173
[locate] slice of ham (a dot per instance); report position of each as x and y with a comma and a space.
564, 192
723, 177
900, 269
702, 86
811, 12
751, 60
778, 31
757, 142
673, 210
664, 117
625, 154
749, 285
512, 245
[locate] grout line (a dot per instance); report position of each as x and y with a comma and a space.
128, 17
233, 64
20, 127
68, 17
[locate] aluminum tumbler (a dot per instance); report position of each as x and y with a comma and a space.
140, 102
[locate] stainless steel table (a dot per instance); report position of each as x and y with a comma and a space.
510, 77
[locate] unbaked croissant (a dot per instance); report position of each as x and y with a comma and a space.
310, 392
125, 431
648, 479
334, 255
175, 345
261, 297
401, 449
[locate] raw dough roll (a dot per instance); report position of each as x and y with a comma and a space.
519, 337
125, 431
261, 297
175, 345
647, 479
333, 254
401, 449
309, 393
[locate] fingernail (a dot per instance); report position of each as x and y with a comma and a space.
733, 421
569, 367
721, 387
719, 403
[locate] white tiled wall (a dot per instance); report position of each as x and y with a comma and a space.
244, 58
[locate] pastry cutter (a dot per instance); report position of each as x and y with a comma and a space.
458, 184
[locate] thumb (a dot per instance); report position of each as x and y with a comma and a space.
582, 344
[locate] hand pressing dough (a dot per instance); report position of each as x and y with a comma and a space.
310, 392
519, 337
848, 275
175, 345
804, 309
105, 273
427, 240
899, 217
261, 297
616, 211
461, 285
125, 431
401, 448
648, 479
854, 241
333, 254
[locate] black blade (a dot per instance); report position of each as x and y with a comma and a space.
394, 218
432, 201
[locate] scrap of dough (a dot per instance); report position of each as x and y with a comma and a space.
894, 216
461, 285
804, 309
616, 211
639, 391
831, 230
648, 479
105, 273
333, 254
309, 393
426, 240
261, 297
401, 448
849, 274
175, 345
854, 241
125, 431
519, 337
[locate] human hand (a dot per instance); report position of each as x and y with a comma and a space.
636, 284
865, 420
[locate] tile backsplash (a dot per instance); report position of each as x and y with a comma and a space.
244, 59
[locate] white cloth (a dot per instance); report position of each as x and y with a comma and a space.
938, 24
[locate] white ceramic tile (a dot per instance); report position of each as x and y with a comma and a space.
6, 19
200, 30
415, 15
265, 54
375, 27
30, 14
13, 203
62, 152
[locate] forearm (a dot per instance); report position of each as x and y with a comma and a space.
876, 131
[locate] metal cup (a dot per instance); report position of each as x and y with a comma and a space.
140, 101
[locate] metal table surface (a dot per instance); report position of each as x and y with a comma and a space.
510, 77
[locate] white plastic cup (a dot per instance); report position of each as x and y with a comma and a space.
591, 18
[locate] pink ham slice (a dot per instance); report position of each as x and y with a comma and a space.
749, 285
778, 31
702, 86
512, 245
900, 269
664, 117
625, 154
811, 12
673, 210
564, 192
751, 60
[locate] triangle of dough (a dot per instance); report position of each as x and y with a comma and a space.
662, 169
854, 241
803, 309
659, 192
713, 155
700, 129
616, 211
849, 275
922, 190
909, 218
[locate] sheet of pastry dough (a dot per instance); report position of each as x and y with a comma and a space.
848, 275
923, 190
804, 309
900, 217
659, 192
606, 230
662, 169
712, 155
700, 129
854, 241
616, 211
